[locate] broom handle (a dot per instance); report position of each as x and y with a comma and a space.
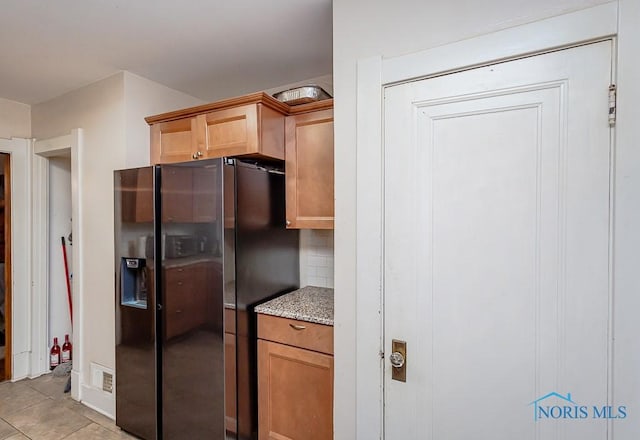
66, 273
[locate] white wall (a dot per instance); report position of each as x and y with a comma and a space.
15, 119
390, 29
145, 98
59, 226
99, 110
115, 136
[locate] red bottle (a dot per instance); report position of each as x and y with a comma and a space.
54, 354
66, 349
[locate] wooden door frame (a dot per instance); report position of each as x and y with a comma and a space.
19, 272
7, 268
373, 76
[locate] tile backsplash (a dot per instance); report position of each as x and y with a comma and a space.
316, 257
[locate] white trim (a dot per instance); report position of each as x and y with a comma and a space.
590, 24
58, 146
562, 31
40, 265
70, 144
21, 313
626, 256
78, 253
98, 400
369, 250
42, 150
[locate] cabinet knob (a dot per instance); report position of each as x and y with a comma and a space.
288, 223
199, 153
194, 156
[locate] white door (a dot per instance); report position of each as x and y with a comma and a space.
496, 250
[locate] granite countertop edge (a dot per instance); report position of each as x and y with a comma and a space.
310, 304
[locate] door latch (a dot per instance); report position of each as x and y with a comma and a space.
398, 359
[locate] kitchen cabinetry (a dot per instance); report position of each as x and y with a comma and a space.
257, 126
295, 379
250, 126
174, 141
309, 167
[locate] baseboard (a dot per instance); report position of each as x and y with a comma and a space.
75, 385
99, 400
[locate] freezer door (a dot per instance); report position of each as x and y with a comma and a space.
136, 407
192, 331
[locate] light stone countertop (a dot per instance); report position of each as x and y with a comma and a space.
311, 304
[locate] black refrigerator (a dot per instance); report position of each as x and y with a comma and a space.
197, 246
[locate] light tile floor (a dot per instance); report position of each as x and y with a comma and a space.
39, 409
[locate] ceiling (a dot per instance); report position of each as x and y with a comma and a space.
206, 48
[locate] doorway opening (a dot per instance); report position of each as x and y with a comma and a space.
5, 267
60, 251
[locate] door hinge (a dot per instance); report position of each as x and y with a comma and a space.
612, 105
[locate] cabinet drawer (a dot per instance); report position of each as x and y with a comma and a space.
316, 337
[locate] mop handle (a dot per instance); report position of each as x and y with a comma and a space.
66, 273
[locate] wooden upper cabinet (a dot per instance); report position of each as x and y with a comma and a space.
174, 141
309, 170
249, 126
247, 130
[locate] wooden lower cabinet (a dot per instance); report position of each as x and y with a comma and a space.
295, 392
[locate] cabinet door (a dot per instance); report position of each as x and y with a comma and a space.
232, 132
295, 393
177, 194
175, 141
309, 170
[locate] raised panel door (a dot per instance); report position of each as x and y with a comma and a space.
175, 141
295, 393
231, 132
496, 238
